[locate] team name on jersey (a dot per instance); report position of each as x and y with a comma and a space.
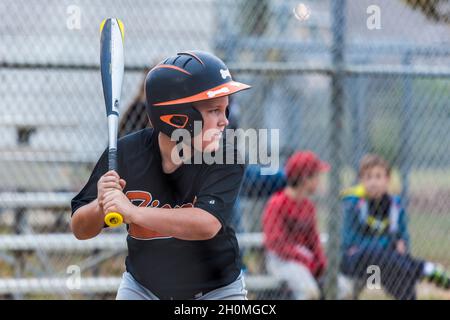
145, 199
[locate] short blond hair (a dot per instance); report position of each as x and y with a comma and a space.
372, 160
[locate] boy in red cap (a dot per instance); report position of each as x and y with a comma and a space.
294, 251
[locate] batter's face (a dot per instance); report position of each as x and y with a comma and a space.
214, 122
375, 181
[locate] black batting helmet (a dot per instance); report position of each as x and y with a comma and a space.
174, 84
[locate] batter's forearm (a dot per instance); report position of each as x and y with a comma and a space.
180, 223
87, 221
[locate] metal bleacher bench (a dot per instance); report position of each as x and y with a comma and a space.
66, 242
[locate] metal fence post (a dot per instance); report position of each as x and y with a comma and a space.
405, 133
336, 123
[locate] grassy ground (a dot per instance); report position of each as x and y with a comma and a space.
430, 236
430, 240
425, 291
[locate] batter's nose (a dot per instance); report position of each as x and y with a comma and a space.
223, 121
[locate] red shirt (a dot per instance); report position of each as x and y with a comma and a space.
290, 231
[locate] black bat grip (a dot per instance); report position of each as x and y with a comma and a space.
113, 219
112, 159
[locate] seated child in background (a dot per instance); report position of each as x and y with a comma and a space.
375, 233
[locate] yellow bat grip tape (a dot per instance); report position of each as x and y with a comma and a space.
113, 219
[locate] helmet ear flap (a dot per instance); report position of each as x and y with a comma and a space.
194, 116
171, 118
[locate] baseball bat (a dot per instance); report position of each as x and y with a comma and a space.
112, 69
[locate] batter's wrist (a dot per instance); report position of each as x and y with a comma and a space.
134, 214
99, 209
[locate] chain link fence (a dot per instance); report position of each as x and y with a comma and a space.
340, 78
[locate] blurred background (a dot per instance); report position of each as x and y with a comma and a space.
341, 78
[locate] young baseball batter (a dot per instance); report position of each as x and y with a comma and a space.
180, 243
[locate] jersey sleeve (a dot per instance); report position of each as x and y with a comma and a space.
219, 190
89, 191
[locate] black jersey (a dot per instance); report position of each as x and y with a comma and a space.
170, 267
